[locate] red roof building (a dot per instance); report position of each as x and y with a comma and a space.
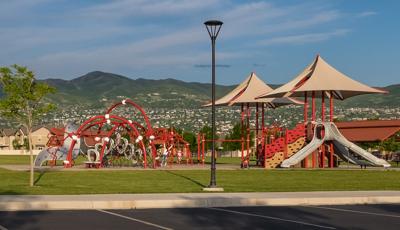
369, 130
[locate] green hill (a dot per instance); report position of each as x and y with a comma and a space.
98, 88
95, 88
392, 99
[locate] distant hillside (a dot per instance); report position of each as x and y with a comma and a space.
392, 99
98, 88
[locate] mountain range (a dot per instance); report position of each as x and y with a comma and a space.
96, 88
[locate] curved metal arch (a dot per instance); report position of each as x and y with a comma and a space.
130, 102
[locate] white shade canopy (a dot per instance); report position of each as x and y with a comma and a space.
320, 77
246, 92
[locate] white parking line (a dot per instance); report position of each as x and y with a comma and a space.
353, 211
272, 218
3, 228
133, 219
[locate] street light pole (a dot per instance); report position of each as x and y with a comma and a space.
213, 28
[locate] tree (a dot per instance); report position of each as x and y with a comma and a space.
234, 134
191, 139
207, 131
23, 100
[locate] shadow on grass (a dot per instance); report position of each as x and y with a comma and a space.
187, 178
39, 177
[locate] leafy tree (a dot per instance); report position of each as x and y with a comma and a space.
235, 134
26, 143
16, 144
23, 100
191, 139
390, 145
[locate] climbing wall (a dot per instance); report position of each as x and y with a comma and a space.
278, 157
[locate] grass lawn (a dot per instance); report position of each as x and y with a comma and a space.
14, 160
160, 181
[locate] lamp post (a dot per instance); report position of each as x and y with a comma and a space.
213, 28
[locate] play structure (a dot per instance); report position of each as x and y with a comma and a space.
244, 96
105, 139
321, 139
172, 148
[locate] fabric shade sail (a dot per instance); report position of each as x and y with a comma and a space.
323, 79
246, 92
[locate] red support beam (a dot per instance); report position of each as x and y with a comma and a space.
313, 106
313, 117
203, 148
262, 116
242, 150
305, 108
198, 147
257, 128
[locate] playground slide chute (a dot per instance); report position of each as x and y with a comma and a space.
343, 147
340, 139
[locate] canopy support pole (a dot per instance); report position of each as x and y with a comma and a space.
314, 154
331, 150
305, 161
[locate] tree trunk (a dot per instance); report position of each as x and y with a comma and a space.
31, 176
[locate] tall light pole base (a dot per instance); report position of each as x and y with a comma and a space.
213, 189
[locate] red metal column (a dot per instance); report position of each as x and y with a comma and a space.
314, 154
305, 108
242, 149
203, 146
285, 151
242, 118
305, 120
323, 120
198, 148
263, 116
257, 124
248, 147
248, 118
331, 152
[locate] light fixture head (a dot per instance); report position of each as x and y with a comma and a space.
213, 27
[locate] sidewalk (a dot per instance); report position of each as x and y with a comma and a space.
186, 200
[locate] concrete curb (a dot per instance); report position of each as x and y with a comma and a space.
192, 200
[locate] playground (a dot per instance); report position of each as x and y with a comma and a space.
115, 140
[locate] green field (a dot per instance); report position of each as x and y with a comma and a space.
163, 181
94, 181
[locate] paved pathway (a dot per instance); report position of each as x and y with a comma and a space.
285, 217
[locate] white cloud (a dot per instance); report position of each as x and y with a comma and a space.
137, 8
303, 38
366, 14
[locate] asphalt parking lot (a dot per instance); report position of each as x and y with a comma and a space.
293, 217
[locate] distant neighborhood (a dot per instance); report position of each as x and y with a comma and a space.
16, 139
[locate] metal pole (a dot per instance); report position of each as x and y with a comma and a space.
213, 182
213, 27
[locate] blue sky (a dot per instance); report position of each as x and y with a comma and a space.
167, 39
